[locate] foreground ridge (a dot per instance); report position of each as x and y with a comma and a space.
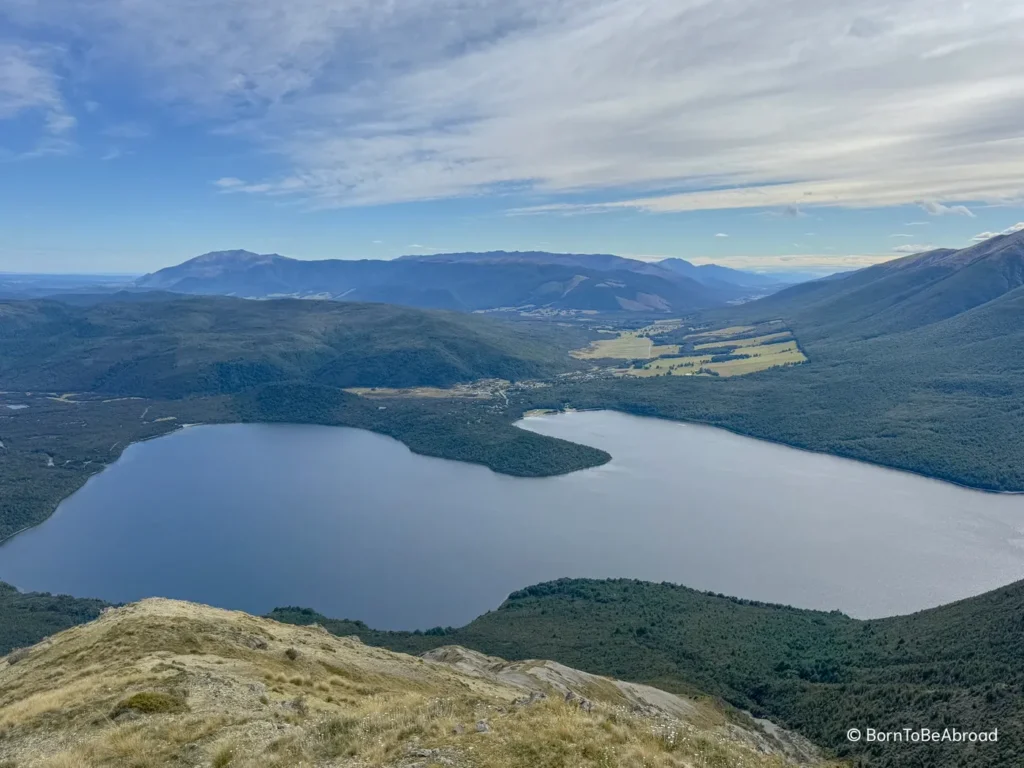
164, 682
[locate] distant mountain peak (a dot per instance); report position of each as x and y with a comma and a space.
235, 257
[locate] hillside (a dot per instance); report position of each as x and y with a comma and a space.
960, 665
165, 683
465, 282
716, 275
903, 294
185, 346
916, 364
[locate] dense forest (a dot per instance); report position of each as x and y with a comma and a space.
171, 347
28, 617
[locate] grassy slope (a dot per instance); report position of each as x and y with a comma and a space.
166, 683
819, 673
960, 665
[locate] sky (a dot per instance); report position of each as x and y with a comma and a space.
765, 135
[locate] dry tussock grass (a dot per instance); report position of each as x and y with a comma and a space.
337, 703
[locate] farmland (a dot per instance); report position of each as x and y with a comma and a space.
734, 351
632, 345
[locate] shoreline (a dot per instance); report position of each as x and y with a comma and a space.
540, 412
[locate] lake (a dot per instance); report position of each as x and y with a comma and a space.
353, 524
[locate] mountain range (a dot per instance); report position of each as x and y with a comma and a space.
471, 281
905, 294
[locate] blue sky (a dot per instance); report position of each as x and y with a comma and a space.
795, 134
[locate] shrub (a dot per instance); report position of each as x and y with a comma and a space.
19, 654
150, 703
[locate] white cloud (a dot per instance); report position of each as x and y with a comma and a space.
688, 105
1018, 227
721, 234
29, 86
128, 130
900, 235
913, 248
917, 224
934, 208
229, 182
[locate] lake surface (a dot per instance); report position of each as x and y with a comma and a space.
355, 525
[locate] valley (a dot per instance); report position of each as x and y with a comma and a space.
914, 365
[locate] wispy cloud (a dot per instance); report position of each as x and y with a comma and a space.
809, 262
900, 235
913, 248
721, 234
678, 106
28, 86
981, 236
934, 208
128, 130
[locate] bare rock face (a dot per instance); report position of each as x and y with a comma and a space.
168, 683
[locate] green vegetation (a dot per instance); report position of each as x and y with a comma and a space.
52, 447
735, 351
961, 665
640, 344
26, 618
177, 347
150, 703
99, 377
340, 703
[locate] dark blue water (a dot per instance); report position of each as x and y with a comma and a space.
353, 524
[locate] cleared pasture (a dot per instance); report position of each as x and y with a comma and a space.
754, 341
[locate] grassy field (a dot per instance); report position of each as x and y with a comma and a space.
675, 366
761, 358
724, 333
771, 348
754, 341
485, 389
631, 345
625, 346
628, 345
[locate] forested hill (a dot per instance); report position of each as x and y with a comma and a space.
916, 364
901, 295
960, 665
171, 347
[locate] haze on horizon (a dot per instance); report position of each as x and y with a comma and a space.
811, 135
